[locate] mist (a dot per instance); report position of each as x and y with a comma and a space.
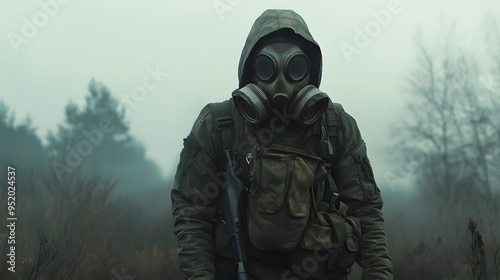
96, 98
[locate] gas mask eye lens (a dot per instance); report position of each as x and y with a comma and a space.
298, 67
264, 67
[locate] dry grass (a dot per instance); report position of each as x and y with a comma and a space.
458, 241
75, 230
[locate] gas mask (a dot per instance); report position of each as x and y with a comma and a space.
281, 81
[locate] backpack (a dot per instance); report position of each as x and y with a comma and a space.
326, 228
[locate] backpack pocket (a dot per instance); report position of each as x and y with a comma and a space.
279, 200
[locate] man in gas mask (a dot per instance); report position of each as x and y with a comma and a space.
312, 207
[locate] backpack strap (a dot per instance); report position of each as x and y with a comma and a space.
330, 153
222, 113
334, 132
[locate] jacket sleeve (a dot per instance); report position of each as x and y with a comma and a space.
194, 199
357, 188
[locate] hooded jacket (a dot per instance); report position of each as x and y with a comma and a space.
202, 249
265, 28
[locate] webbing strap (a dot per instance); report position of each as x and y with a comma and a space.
330, 155
223, 117
333, 126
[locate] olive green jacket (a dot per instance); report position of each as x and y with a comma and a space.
202, 250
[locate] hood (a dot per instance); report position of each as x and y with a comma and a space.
271, 24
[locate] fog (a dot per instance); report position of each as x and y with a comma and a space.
199, 47
165, 60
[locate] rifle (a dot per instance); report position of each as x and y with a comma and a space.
234, 200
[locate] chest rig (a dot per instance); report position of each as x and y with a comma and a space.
302, 223
328, 148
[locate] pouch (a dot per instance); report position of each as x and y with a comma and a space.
331, 242
279, 201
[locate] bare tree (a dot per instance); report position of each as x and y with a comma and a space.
456, 119
452, 139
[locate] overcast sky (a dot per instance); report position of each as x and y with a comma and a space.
50, 50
